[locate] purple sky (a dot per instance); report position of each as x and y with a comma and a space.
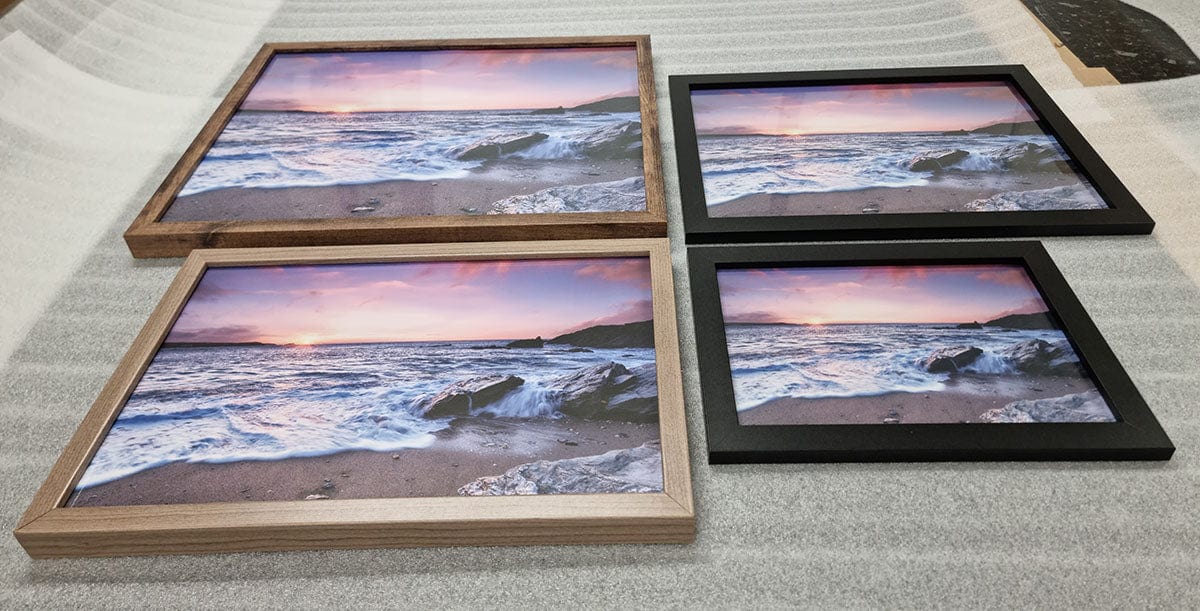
842, 109
444, 80
414, 301
877, 294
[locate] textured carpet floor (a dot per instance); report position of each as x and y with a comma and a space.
98, 98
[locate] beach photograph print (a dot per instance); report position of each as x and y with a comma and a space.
881, 149
427, 132
413, 379
910, 344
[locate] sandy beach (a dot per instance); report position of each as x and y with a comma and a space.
947, 192
469, 449
964, 399
473, 194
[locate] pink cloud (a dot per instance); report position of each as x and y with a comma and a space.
633, 271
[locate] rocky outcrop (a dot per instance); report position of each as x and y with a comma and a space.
616, 141
621, 104
536, 342
936, 161
1030, 157
1037, 320
630, 335
460, 398
628, 195
1039, 357
493, 147
1022, 128
950, 360
631, 470
1082, 407
639, 400
609, 391
550, 111
1067, 197
969, 325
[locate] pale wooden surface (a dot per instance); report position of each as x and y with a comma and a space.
49, 530
148, 236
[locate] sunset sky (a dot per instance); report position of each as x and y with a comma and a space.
877, 294
414, 301
844, 109
444, 80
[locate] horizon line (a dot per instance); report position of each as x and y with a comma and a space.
914, 131
907, 322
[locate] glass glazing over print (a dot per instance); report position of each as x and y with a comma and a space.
442, 132
899, 344
882, 148
394, 380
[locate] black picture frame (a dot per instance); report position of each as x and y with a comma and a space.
1125, 215
1136, 434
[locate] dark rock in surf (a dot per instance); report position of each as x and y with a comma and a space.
1030, 157
616, 141
936, 161
1039, 357
950, 360
629, 470
609, 391
493, 147
550, 111
969, 325
460, 398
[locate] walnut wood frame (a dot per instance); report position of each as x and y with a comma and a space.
1136, 435
1125, 215
48, 529
149, 236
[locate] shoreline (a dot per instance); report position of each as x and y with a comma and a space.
948, 192
964, 400
468, 449
493, 181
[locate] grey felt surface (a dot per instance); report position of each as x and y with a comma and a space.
99, 98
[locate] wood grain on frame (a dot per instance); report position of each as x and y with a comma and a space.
149, 236
48, 529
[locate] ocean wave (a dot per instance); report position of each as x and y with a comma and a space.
211, 406
844, 361
283, 150
738, 166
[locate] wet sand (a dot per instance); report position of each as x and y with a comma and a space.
964, 399
469, 449
473, 194
945, 193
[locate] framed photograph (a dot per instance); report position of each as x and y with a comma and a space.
370, 396
906, 352
421, 141
978, 151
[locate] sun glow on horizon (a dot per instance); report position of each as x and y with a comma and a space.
876, 294
444, 80
484, 300
865, 108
